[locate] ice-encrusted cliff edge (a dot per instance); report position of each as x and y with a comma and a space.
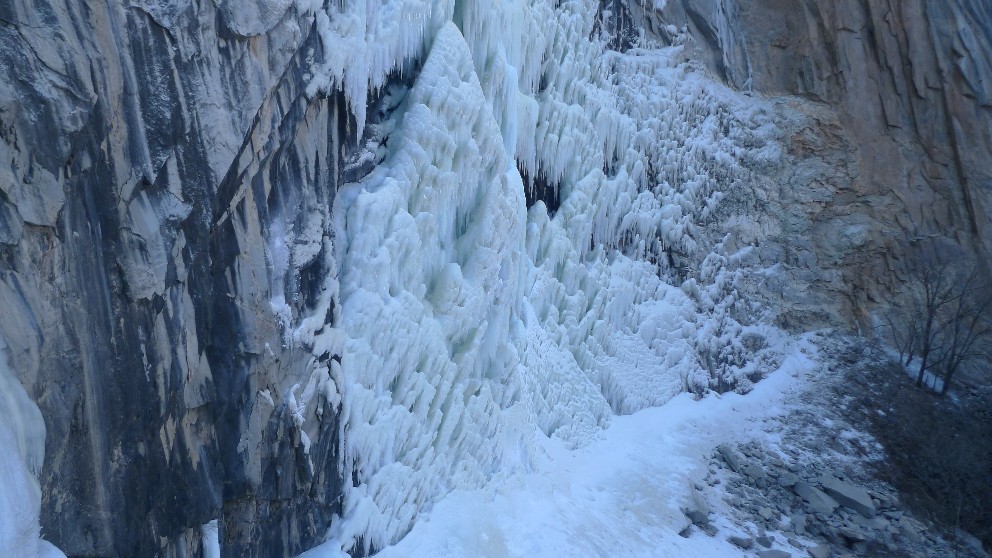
286, 266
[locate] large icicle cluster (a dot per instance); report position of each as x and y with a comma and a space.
431, 252
470, 322
365, 40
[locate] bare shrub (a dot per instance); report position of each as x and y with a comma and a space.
944, 316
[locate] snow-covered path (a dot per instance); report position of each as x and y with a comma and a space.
620, 495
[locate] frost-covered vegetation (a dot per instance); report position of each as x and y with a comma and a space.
471, 315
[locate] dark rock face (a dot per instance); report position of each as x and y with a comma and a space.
615, 22
154, 157
886, 111
910, 83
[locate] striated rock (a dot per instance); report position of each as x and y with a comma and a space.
818, 501
848, 495
741, 542
754, 471
773, 553
697, 510
787, 480
731, 457
696, 517
798, 521
819, 551
152, 154
853, 534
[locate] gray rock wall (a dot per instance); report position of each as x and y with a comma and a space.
147, 152
911, 84
885, 108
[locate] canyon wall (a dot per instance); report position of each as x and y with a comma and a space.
885, 109
140, 145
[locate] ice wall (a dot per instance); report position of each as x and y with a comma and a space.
472, 322
22, 452
430, 260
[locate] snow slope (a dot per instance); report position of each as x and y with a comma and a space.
620, 495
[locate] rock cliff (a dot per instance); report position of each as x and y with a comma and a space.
158, 157
885, 109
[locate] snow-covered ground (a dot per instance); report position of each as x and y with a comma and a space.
621, 495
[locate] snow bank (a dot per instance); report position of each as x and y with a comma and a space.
620, 495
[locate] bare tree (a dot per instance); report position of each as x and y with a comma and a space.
967, 325
935, 291
904, 334
945, 316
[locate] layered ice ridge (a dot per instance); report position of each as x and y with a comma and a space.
431, 251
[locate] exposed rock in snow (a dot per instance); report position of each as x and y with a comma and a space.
797, 443
848, 495
731, 457
817, 500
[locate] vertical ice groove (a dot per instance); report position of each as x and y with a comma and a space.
210, 539
364, 40
427, 291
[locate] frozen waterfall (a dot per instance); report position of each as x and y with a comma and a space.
473, 320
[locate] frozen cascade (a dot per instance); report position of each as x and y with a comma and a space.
22, 451
430, 286
471, 324
443, 277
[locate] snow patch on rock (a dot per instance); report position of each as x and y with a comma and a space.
22, 453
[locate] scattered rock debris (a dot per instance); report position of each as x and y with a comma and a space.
807, 491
